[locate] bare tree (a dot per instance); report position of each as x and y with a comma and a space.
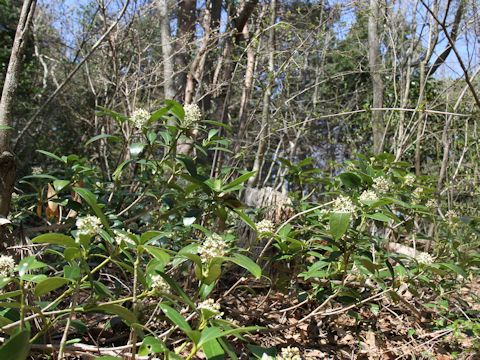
7, 158
377, 81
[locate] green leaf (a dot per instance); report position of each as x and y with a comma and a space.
114, 115
158, 114
247, 264
55, 239
90, 199
455, 268
175, 108
213, 350
378, 216
240, 180
151, 345
53, 156
246, 219
17, 347
350, 179
102, 136
339, 223
178, 290
50, 284
136, 149
29, 263
208, 334
59, 185
158, 254
176, 318
5, 127
118, 310
118, 171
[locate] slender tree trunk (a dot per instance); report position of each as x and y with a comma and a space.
167, 51
185, 36
375, 73
7, 158
262, 142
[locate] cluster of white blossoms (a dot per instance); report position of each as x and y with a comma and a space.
211, 306
123, 237
409, 180
265, 226
88, 225
159, 285
213, 246
368, 195
6, 265
36, 170
451, 217
381, 184
343, 204
140, 118
417, 193
432, 204
425, 258
289, 353
193, 114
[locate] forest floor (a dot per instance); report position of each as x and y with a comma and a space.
375, 329
382, 329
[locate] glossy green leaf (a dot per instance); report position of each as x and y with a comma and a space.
17, 347
158, 254
55, 239
240, 180
50, 284
53, 156
100, 137
339, 223
176, 317
247, 263
151, 345
90, 199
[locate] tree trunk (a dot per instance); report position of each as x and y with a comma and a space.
262, 142
7, 158
167, 51
185, 36
377, 81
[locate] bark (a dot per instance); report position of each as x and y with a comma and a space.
167, 50
374, 61
186, 26
7, 158
262, 142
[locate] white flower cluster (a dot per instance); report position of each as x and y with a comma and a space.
36, 170
409, 180
265, 226
88, 225
123, 237
140, 118
290, 353
451, 217
193, 114
213, 246
368, 195
432, 204
425, 258
381, 184
417, 193
6, 265
159, 285
212, 306
343, 204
